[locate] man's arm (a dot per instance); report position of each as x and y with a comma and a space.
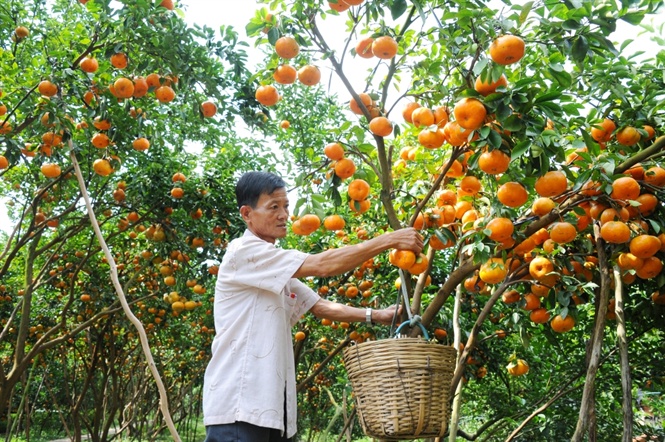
344, 259
345, 313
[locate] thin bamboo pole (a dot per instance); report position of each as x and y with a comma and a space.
163, 399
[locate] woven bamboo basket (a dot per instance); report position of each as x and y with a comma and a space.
401, 387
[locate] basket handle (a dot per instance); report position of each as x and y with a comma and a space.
422, 328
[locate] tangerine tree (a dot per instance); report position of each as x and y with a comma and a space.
504, 132
118, 155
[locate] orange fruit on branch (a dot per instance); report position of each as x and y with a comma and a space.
141, 144
334, 151
381, 126
100, 140
518, 368
119, 60
470, 113
366, 99
431, 139
338, 5
165, 94
309, 223
493, 271
358, 189
552, 183
334, 222
628, 261
309, 75
287, 47
542, 206
140, 87
470, 185
651, 132
178, 177
512, 194
50, 170
89, 65
602, 132
507, 49
168, 4
208, 109
407, 112
21, 32
493, 162
562, 232
560, 324
655, 176
102, 167
384, 47
510, 296
123, 87
359, 207
628, 136
420, 265
285, 74
47, 89
345, 168
402, 258
422, 116
486, 88
539, 315
648, 203
615, 232
651, 268
364, 48
267, 95
644, 246
625, 188
612, 214
540, 267
440, 116
500, 229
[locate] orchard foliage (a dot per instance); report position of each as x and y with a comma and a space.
121, 87
525, 140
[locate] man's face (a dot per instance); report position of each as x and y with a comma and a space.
268, 220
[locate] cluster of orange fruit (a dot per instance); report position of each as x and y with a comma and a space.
469, 113
409, 261
287, 48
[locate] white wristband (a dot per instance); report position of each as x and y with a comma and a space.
368, 316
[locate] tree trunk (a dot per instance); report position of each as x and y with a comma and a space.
627, 402
595, 347
457, 399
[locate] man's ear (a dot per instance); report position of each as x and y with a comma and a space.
245, 211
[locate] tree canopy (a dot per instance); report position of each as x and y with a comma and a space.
524, 139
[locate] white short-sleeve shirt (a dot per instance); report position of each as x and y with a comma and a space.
256, 303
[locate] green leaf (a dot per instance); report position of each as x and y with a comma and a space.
548, 96
495, 139
513, 123
480, 66
634, 18
580, 49
503, 111
397, 8
520, 149
563, 78
570, 24
524, 13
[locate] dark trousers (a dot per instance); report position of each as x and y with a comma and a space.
243, 432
